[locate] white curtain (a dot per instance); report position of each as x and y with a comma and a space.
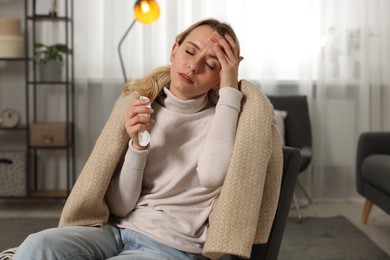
276, 36
352, 93
335, 52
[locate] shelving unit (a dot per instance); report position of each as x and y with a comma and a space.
46, 159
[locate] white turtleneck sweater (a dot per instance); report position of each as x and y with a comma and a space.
167, 191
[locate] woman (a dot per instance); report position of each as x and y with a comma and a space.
161, 198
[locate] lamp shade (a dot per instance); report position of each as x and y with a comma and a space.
146, 11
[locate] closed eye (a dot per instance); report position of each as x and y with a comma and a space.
212, 63
210, 67
190, 53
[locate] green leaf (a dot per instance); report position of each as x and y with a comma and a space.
45, 53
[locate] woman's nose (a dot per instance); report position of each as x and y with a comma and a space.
193, 66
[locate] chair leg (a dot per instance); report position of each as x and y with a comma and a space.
304, 192
366, 211
297, 208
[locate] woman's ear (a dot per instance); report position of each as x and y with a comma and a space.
174, 49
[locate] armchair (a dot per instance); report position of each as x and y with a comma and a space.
373, 171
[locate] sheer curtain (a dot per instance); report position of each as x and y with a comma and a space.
276, 37
335, 52
352, 94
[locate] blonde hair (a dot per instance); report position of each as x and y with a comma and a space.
152, 83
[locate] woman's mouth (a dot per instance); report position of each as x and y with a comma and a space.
186, 78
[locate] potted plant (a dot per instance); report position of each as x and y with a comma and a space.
51, 60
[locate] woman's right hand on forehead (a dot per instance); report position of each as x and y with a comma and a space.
227, 54
136, 122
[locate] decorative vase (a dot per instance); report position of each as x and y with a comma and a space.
51, 71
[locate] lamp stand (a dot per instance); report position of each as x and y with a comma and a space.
119, 49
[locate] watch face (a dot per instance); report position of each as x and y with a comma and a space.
9, 118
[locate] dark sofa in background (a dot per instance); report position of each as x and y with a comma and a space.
373, 171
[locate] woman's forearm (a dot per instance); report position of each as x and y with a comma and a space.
216, 153
125, 187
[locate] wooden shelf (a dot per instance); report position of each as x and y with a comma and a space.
21, 127
14, 59
49, 194
50, 82
49, 18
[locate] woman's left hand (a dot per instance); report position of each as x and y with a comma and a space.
227, 54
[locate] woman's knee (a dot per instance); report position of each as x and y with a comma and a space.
38, 244
42, 238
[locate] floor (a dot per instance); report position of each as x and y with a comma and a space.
377, 228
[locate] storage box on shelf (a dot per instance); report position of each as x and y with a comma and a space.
13, 174
50, 135
11, 38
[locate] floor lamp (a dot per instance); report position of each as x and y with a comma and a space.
146, 12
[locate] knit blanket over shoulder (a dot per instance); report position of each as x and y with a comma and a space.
243, 213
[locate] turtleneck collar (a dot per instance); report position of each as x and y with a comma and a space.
191, 106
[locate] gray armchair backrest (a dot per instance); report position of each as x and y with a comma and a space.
297, 123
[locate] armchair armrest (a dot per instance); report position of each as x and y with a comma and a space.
370, 143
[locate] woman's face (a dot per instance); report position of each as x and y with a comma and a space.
195, 68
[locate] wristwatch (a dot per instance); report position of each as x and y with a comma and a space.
9, 118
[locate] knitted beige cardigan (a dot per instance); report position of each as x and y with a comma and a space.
243, 213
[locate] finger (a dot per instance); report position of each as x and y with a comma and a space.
139, 127
134, 130
225, 45
139, 120
222, 58
232, 44
135, 111
137, 124
138, 103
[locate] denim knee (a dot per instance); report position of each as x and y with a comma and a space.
40, 243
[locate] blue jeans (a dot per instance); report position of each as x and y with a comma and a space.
108, 242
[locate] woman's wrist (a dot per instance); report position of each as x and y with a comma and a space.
231, 85
137, 146
229, 82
